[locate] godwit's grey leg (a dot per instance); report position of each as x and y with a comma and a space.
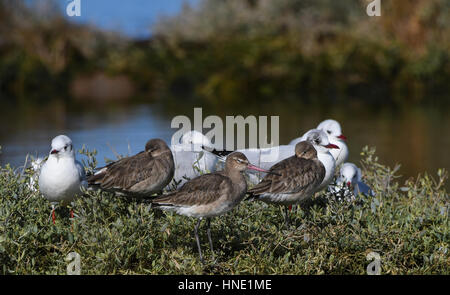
287, 218
208, 230
198, 240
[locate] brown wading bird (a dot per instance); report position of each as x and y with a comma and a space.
141, 175
210, 194
292, 180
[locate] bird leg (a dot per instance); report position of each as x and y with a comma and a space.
71, 218
53, 214
198, 240
287, 218
208, 230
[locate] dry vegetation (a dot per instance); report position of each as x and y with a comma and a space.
407, 225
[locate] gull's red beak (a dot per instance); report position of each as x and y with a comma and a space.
54, 152
332, 146
349, 183
342, 136
252, 167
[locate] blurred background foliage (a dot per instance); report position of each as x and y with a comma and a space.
225, 51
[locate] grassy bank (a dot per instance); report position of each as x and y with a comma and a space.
407, 225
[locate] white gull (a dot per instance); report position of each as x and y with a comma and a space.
190, 159
334, 132
61, 176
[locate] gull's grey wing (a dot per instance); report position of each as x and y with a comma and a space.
81, 171
364, 189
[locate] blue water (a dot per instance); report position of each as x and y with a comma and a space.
416, 138
123, 131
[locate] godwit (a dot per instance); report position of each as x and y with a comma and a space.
61, 176
297, 178
264, 157
334, 132
210, 194
141, 175
319, 140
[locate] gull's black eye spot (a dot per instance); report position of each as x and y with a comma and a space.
328, 131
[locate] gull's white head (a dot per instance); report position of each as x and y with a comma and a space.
332, 128
62, 147
195, 137
350, 174
319, 140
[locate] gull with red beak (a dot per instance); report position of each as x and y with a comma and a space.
61, 176
333, 130
210, 195
350, 178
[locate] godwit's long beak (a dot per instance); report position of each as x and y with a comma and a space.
342, 136
252, 167
332, 146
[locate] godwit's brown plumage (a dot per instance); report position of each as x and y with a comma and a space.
296, 178
211, 194
141, 175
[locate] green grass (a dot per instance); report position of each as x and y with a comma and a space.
408, 226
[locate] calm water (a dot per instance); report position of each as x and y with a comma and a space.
417, 138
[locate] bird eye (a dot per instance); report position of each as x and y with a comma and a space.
328, 131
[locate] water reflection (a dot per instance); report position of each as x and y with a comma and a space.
416, 138
115, 130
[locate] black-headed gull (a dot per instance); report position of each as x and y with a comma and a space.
209, 195
350, 177
190, 159
334, 132
61, 176
141, 175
